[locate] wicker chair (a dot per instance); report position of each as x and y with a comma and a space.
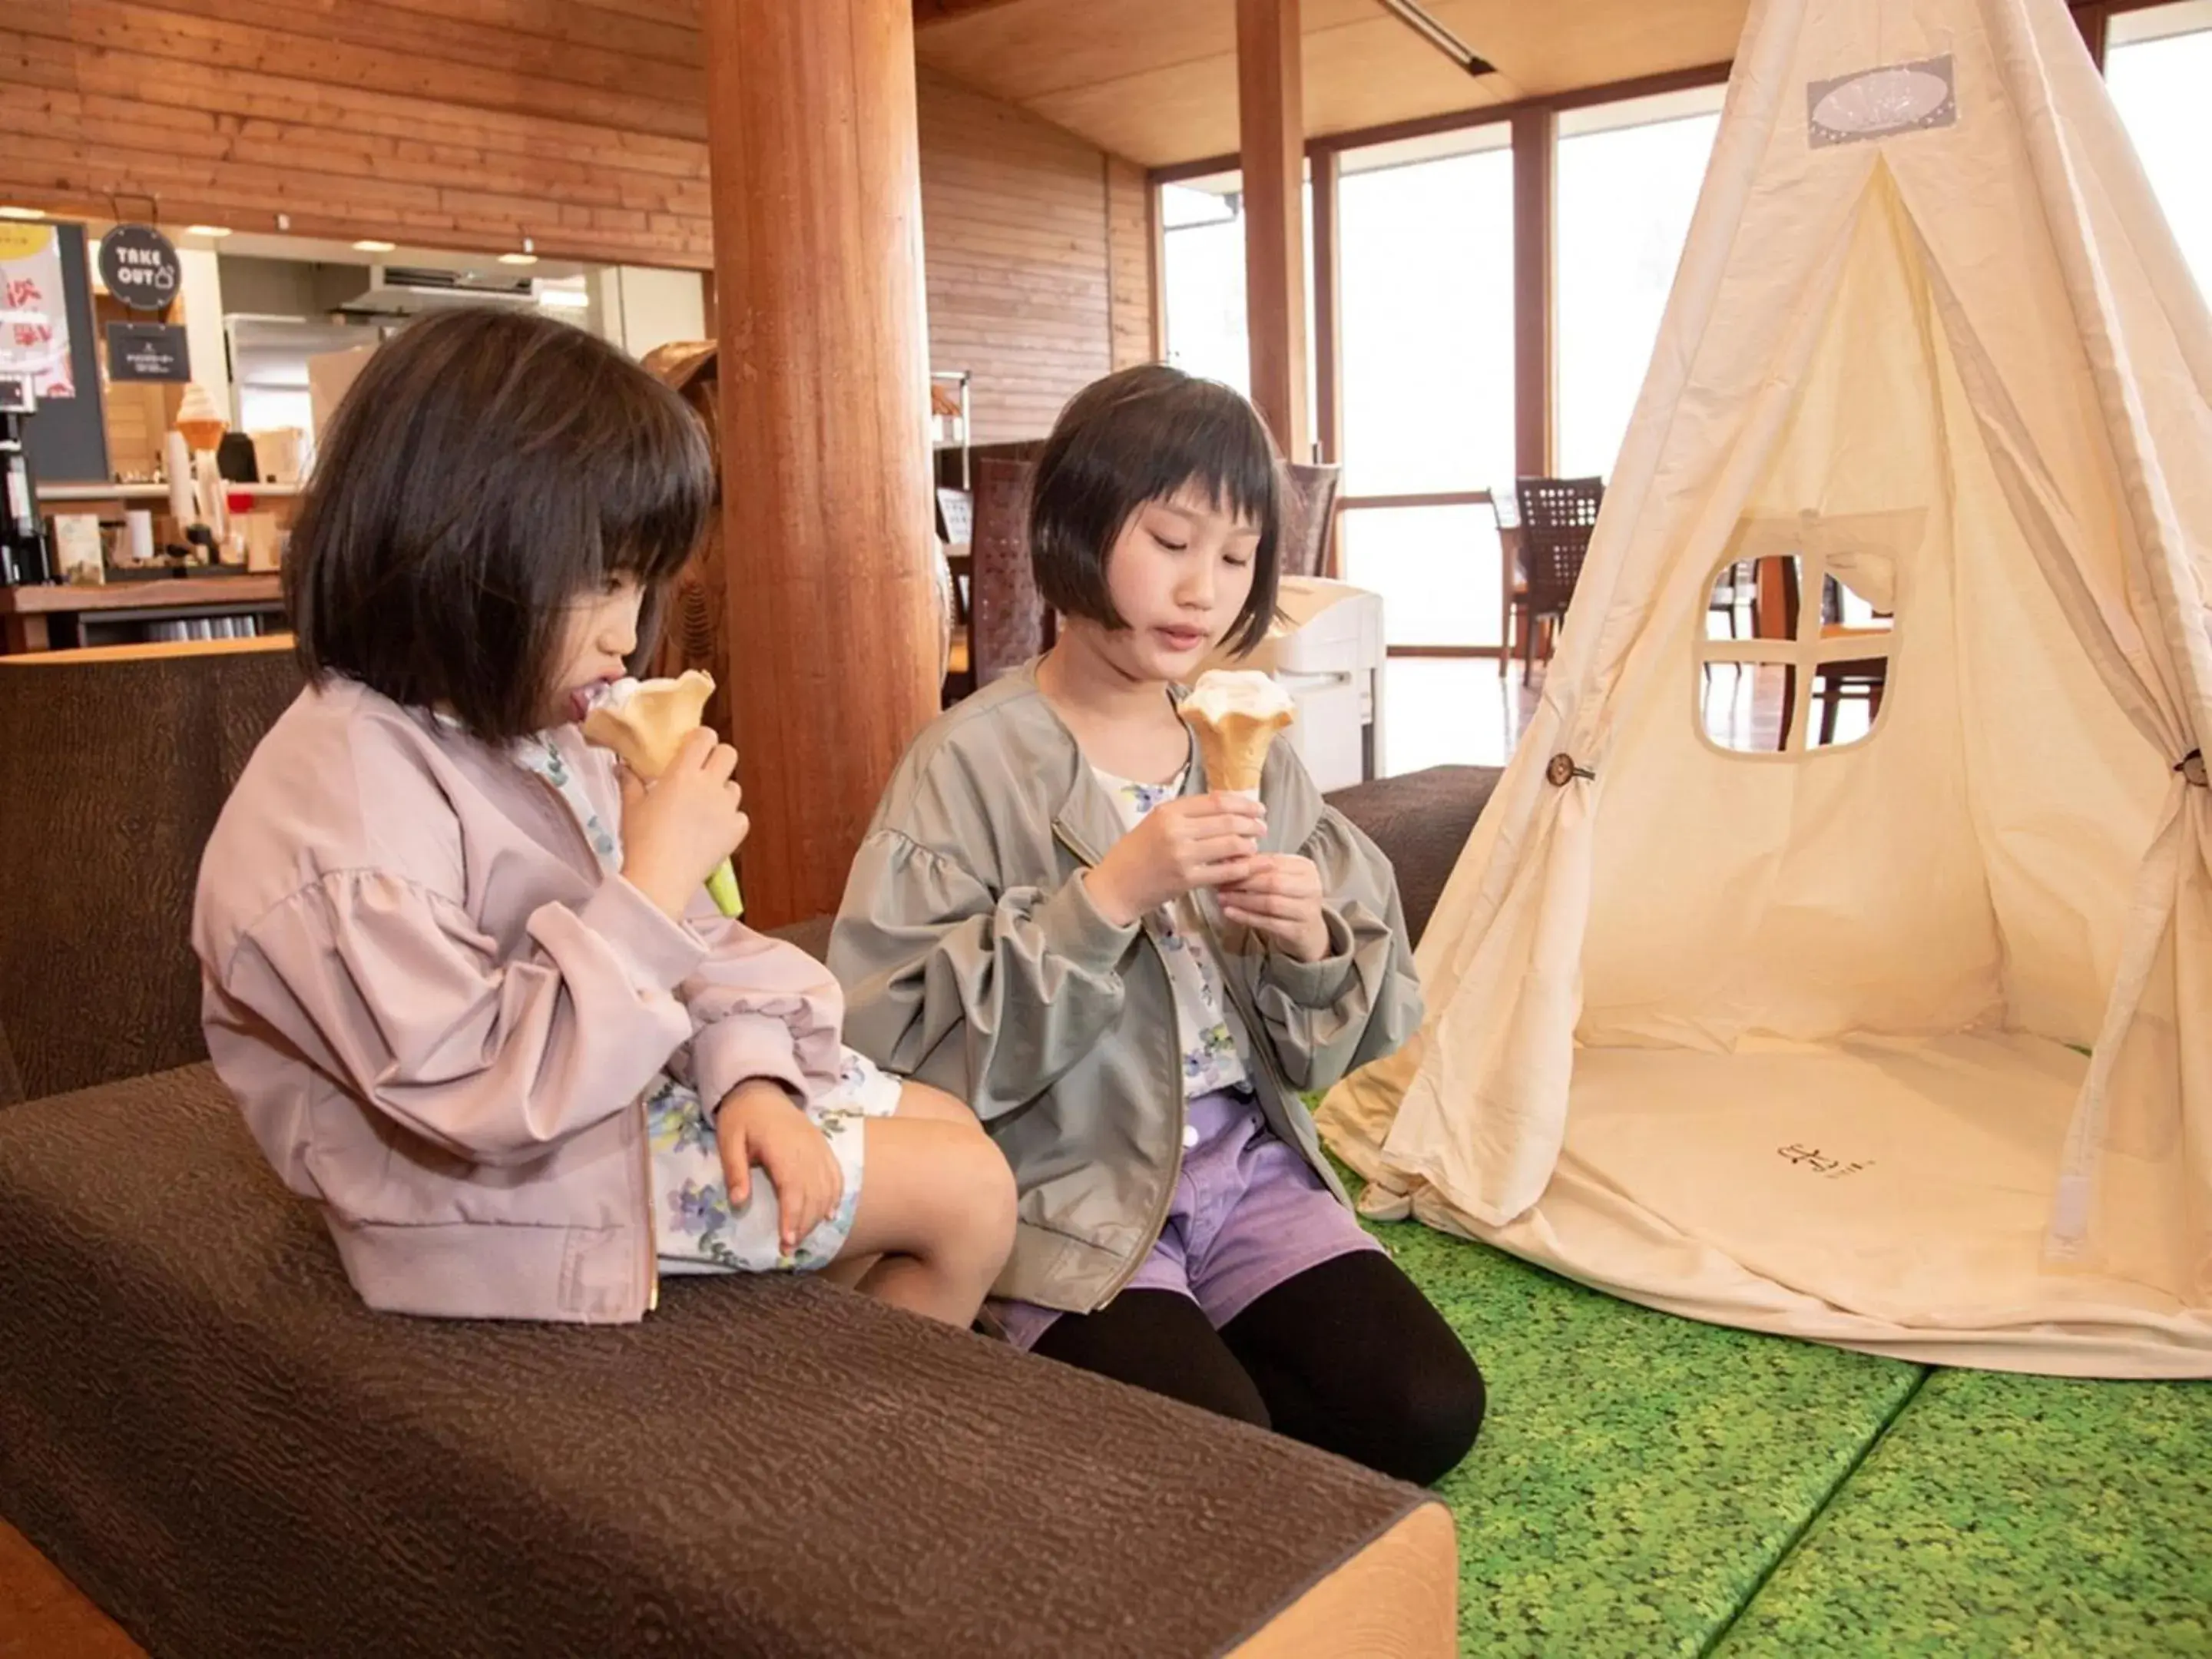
1007, 620
1556, 517
1308, 517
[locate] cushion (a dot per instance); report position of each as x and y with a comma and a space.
1421, 821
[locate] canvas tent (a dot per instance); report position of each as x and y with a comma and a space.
1895, 1034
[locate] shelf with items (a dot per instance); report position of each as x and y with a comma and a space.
94, 495
154, 611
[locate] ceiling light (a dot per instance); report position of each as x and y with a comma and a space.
1437, 36
527, 257
370, 244
20, 213
207, 230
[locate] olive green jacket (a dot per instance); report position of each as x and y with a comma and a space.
973, 958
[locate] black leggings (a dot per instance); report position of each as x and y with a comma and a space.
1347, 1355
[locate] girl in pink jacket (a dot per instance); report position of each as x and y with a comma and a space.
460, 972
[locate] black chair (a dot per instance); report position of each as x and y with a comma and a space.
1864, 678
1556, 517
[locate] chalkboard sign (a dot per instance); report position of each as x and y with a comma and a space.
149, 351
141, 268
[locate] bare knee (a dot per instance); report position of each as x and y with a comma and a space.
979, 1197
919, 1100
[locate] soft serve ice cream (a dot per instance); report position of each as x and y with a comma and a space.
199, 420
645, 722
1235, 713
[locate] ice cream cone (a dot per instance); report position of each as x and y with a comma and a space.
1234, 715
645, 722
198, 420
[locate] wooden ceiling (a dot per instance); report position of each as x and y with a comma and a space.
1156, 80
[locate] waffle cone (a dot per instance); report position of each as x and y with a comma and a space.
1234, 748
202, 435
648, 729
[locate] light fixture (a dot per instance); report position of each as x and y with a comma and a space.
217, 231
370, 244
1438, 36
527, 257
20, 213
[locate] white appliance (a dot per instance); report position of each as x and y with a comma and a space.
1326, 650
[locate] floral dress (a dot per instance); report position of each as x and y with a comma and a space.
1211, 1063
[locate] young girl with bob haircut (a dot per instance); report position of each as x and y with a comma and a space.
1133, 979
460, 972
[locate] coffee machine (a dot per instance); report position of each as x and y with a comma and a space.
24, 559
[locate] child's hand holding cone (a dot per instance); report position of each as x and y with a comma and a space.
680, 797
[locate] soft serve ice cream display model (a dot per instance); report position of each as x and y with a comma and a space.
198, 493
1234, 714
645, 723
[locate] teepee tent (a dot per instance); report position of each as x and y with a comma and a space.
1894, 1031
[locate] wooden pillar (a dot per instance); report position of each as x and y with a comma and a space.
1535, 152
1271, 119
824, 399
2094, 19
1329, 308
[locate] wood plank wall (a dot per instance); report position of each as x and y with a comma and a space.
469, 124
1130, 238
581, 125
1013, 215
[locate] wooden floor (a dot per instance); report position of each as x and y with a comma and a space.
44, 1616
1455, 711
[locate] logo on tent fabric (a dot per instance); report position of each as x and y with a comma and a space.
1877, 103
1810, 1157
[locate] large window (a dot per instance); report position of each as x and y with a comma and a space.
1426, 252
2159, 62
1203, 269
1202, 260
1628, 179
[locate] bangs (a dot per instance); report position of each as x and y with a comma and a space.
1218, 452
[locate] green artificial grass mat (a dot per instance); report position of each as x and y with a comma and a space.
2007, 1515
1639, 1475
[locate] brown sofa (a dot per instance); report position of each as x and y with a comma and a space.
202, 1427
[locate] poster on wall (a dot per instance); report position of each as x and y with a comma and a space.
35, 324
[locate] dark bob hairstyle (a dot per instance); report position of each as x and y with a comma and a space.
1137, 436
487, 470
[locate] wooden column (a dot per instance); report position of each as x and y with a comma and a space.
1328, 308
1271, 119
1535, 152
2094, 19
825, 400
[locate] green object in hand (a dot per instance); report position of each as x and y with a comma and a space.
722, 888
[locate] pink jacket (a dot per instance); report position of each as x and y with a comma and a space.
438, 1015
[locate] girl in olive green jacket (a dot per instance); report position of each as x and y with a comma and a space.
1134, 980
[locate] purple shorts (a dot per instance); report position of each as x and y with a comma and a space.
1248, 1213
